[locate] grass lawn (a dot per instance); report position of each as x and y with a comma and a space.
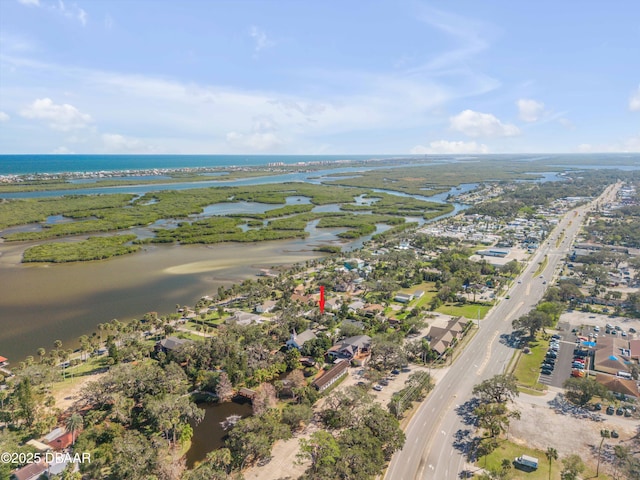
528, 369
429, 289
467, 310
189, 335
510, 451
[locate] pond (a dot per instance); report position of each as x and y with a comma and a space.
208, 435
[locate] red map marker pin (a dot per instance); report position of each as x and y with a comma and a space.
321, 300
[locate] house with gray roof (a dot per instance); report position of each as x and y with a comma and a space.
297, 341
351, 347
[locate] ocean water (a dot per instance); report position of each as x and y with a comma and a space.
30, 164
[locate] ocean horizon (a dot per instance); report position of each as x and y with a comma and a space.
26, 164
31, 164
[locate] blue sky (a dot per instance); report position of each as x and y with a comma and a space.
331, 77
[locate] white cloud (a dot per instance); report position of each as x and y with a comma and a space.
476, 124
108, 22
258, 142
628, 145
62, 151
73, 11
445, 146
634, 101
31, 3
566, 123
60, 117
4, 117
116, 143
260, 38
530, 110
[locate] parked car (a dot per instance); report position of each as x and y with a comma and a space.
555, 336
632, 330
598, 406
610, 410
377, 388
596, 328
577, 373
620, 411
614, 434
547, 371
384, 382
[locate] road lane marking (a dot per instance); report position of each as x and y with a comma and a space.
487, 355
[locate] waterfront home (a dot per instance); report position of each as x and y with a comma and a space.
265, 307
244, 318
170, 344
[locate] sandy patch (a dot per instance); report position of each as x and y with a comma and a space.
540, 426
70, 393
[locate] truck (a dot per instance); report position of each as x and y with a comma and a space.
527, 461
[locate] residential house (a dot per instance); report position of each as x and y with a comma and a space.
356, 305
170, 344
352, 347
403, 297
63, 441
297, 341
418, 294
244, 318
332, 304
41, 447
373, 309
353, 264
265, 307
329, 377
33, 471
441, 338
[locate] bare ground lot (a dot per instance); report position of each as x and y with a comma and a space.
544, 424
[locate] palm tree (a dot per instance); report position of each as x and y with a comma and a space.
41, 353
73, 424
551, 454
603, 434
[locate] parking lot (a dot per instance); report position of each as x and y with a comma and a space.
562, 369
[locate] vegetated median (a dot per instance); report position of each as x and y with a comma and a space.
541, 266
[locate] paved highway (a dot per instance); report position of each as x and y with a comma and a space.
429, 452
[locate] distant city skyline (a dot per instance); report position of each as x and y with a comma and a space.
290, 77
